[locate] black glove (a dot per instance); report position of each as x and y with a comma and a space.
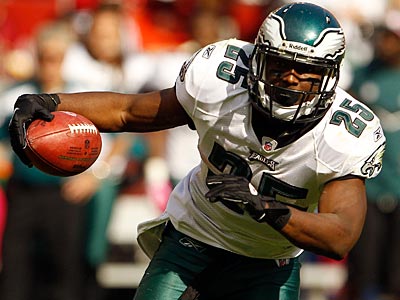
239, 190
27, 108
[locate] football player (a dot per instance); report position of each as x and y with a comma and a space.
285, 155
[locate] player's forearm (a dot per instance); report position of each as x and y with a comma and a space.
117, 112
324, 234
104, 109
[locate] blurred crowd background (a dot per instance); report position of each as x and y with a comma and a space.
58, 235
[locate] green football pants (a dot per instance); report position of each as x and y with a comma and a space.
207, 273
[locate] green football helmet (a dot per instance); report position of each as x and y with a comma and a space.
309, 37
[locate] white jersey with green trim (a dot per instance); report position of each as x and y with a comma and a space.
212, 89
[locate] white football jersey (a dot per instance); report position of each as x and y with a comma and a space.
212, 89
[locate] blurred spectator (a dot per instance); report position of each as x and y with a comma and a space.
374, 262
206, 27
43, 234
103, 60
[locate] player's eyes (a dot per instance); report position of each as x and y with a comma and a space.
309, 69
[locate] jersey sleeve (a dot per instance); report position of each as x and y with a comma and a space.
368, 154
355, 136
210, 79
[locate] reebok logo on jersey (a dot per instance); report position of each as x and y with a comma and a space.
254, 156
378, 134
209, 50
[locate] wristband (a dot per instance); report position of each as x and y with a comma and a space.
276, 215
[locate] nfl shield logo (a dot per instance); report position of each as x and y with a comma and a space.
269, 144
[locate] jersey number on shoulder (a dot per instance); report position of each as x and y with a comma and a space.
356, 126
269, 185
229, 71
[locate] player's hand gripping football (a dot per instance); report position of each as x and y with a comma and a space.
27, 108
238, 189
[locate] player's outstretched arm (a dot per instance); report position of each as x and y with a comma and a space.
108, 111
127, 112
336, 228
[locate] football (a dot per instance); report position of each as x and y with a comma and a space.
65, 146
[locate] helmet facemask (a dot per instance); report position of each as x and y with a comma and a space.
284, 103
